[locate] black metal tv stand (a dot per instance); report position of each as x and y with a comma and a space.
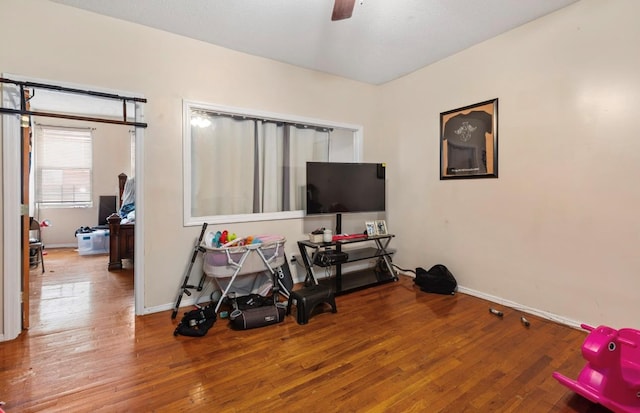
344, 282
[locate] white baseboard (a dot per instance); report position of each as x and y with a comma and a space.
74, 245
189, 301
203, 296
511, 304
157, 309
519, 307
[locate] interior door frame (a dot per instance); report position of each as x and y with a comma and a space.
11, 222
11, 168
25, 171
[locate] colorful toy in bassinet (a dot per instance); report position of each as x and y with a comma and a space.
611, 376
224, 239
221, 238
251, 239
215, 241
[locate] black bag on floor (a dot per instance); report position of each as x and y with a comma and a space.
437, 280
196, 323
257, 317
245, 302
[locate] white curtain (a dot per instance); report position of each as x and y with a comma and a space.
306, 144
222, 159
271, 169
245, 166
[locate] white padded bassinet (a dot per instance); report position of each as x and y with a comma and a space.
245, 269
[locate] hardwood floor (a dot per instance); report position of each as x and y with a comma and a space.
389, 348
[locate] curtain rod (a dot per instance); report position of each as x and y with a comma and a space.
72, 90
72, 117
24, 111
279, 122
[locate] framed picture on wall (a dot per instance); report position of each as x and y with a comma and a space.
469, 141
381, 227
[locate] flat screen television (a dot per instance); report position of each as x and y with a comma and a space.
335, 188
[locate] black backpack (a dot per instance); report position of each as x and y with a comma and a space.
437, 280
196, 323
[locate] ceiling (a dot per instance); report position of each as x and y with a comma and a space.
382, 41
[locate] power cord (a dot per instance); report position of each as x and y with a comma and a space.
403, 269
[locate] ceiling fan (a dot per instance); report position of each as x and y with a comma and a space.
342, 9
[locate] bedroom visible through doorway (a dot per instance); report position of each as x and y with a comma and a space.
11, 128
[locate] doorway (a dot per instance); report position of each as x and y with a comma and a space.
61, 102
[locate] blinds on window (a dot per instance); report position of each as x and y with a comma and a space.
63, 161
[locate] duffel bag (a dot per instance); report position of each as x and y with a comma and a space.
437, 280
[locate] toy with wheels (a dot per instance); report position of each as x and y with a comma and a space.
611, 376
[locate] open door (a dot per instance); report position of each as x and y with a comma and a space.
24, 211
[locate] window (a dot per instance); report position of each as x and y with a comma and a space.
63, 167
250, 166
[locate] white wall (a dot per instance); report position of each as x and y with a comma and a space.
64, 44
559, 229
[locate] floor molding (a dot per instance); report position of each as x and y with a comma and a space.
519, 307
512, 304
189, 301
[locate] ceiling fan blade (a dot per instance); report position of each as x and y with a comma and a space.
342, 9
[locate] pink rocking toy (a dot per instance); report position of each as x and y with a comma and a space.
611, 376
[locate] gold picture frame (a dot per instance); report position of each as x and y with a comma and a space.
469, 141
381, 227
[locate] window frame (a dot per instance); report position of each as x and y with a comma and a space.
189, 106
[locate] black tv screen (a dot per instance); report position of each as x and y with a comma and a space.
345, 187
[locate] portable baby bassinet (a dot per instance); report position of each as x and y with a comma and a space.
241, 269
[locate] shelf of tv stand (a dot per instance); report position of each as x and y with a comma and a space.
354, 280
359, 255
